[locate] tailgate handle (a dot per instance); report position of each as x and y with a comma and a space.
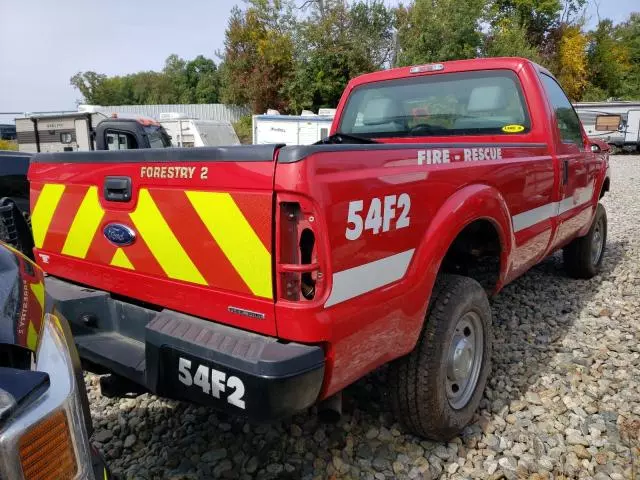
117, 189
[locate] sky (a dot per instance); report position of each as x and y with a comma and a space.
44, 43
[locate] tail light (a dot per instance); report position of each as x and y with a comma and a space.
299, 272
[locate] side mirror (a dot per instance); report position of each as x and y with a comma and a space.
598, 146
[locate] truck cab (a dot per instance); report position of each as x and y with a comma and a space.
88, 131
130, 134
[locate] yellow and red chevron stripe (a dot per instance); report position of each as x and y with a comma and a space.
216, 239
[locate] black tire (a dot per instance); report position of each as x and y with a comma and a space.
18, 234
580, 261
418, 382
4, 233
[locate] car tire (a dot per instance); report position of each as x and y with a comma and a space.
583, 256
436, 389
16, 232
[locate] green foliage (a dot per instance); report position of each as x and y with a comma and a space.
336, 43
181, 81
508, 38
628, 34
273, 59
607, 59
594, 94
538, 17
243, 128
258, 55
8, 145
300, 54
439, 30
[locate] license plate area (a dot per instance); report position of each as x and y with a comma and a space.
200, 380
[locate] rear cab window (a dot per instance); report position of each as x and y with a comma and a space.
117, 140
486, 102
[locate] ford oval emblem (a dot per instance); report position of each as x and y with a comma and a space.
119, 234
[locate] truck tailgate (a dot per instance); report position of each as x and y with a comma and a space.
184, 229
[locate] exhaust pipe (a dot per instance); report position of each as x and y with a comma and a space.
115, 386
330, 409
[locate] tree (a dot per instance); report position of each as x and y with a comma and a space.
571, 62
180, 81
439, 30
258, 55
607, 60
628, 34
88, 83
202, 80
508, 38
538, 17
336, 43
175, 72
300, 54
371, 32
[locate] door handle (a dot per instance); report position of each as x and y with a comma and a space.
117, 189
565, 172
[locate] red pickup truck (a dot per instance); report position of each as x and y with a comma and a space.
263, 279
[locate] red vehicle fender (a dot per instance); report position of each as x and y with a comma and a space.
471, 203
401, 311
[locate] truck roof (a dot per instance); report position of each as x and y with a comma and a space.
494, 63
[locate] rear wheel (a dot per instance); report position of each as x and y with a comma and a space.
583, 256
437, 387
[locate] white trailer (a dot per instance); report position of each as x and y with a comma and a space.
191, 132
292, 129
58, 132
617, 123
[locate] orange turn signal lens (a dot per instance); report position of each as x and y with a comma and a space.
46, 450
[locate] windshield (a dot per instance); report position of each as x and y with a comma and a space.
469, 103
158, 138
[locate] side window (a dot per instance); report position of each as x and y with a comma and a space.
157, 137
568, 121
155, 141
120, 140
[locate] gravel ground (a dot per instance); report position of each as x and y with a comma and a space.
561, 401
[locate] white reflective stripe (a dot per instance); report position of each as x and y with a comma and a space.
531, 217
540, 214
358, 280
581, 196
